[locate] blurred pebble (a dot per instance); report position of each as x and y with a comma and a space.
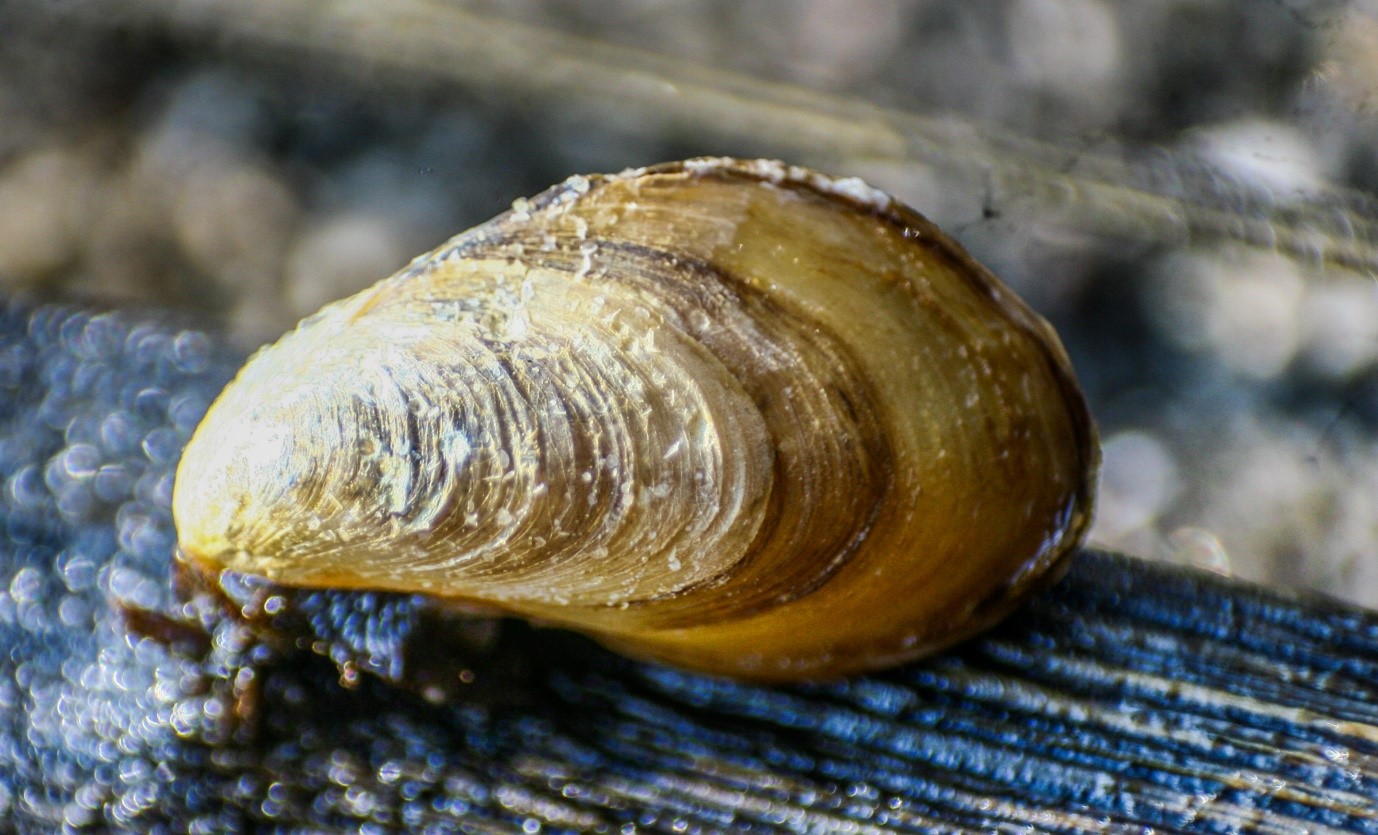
162, 446
1242, 305
27, 492
1339, 325
208, 115
235, 224
185, 412
112, 483
120, 434
77, 571
191, 352
339, 256
1069, 48
1271, 156
1189, 545
1138, 479
45, 198
79, 462
126, 247
1280, 502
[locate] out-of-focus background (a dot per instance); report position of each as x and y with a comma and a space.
1183, 186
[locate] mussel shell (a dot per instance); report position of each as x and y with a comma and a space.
732, 415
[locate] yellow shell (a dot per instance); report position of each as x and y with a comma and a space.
732, 415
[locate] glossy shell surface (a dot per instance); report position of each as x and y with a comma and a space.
730, 415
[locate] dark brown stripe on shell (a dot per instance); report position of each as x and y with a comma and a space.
762, 579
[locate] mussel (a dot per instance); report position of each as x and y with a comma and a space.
734, 416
